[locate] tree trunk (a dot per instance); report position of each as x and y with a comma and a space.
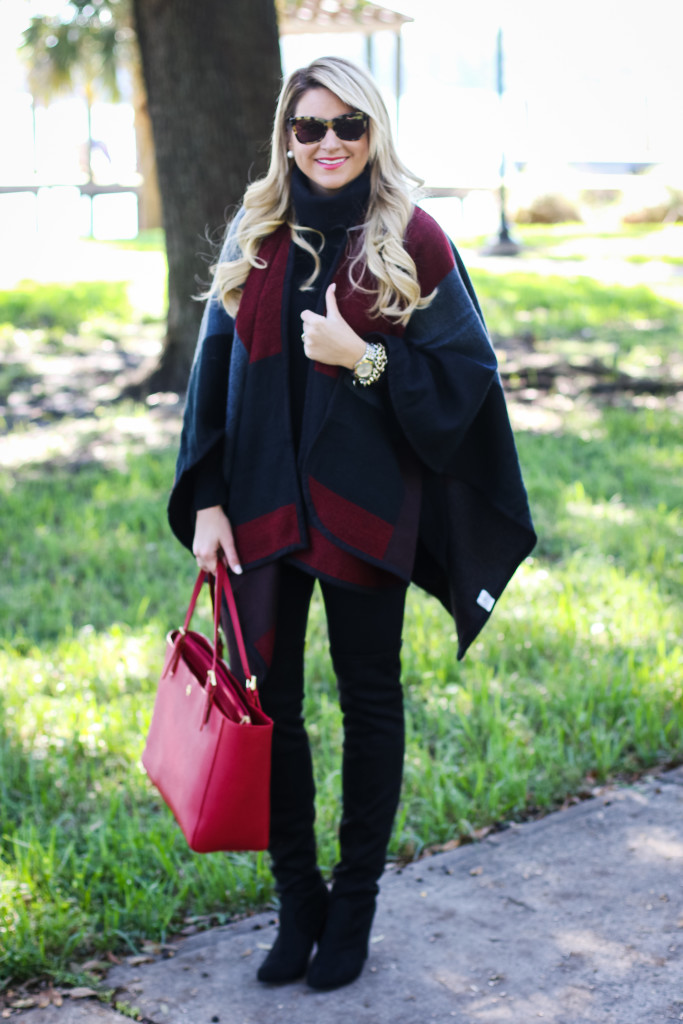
149, 202
212, 72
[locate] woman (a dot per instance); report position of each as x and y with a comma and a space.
344, 422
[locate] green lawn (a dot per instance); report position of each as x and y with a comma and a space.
576, 680
558, 309
617, 240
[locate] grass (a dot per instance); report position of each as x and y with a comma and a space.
51, 305
557, 308
544, 238
674, 261
629, 330
576, 680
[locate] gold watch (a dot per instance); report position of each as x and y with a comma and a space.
371, 364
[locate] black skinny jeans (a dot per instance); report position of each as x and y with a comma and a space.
364, 630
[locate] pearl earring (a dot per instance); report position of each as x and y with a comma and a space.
290, 154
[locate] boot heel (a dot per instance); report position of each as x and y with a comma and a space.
302, 919
343, 946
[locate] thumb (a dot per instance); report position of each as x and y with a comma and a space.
331, 301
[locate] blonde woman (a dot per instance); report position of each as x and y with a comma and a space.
344, 423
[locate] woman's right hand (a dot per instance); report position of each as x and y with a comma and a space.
213, 537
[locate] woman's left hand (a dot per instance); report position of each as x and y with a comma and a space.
329, 339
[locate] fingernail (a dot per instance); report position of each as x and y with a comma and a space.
237, 569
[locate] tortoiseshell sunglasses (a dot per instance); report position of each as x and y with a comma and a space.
347, 127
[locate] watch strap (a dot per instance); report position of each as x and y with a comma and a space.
375, 356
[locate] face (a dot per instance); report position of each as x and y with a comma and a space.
331, 163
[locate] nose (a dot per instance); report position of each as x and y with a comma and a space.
330, 140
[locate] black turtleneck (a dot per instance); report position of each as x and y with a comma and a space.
332, 214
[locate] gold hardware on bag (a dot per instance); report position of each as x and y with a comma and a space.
175, 639
211, 677
251, 683
245, 720
188, 689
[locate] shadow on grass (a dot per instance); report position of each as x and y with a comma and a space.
612, 491
90, 545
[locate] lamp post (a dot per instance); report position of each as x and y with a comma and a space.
503, 245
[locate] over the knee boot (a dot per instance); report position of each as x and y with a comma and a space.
300, 887
302, 917
343, 946
372, 773
299, 884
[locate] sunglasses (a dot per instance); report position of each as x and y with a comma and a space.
347, 127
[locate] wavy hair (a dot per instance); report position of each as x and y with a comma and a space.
379, 247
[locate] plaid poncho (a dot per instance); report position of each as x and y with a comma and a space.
420, 478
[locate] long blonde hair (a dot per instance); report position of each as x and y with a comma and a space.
267, 202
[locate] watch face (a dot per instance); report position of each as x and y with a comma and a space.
364, 370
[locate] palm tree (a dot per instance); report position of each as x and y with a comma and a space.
81, 50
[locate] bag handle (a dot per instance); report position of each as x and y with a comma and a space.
222, 587
193, 600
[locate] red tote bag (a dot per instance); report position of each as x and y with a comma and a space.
209, 743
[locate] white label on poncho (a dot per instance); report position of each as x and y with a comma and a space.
485, 600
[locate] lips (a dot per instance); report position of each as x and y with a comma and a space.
331, 163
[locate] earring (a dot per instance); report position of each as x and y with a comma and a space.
290, 154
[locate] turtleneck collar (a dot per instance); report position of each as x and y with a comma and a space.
338, 209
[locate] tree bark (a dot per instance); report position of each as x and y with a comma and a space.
149, 201
212, 72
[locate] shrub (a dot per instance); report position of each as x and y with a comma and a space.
551, 208
669, 211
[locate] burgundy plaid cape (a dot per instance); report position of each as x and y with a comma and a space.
420, 477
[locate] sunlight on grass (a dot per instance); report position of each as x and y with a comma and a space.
642, 242
73, 264
560, 307
110, 437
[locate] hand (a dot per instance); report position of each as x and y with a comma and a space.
329, 339
213, 538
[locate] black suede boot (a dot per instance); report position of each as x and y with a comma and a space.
302, 892
365, 651
343, 946
302, 919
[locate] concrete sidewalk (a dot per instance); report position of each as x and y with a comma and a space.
574, 918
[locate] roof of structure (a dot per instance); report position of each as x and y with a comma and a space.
304, 16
